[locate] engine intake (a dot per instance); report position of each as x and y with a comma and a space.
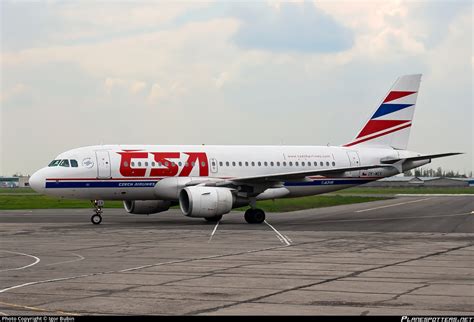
146, 207
205, 202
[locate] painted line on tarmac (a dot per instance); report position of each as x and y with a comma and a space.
37, 260
392, 218
136, 268
280, 236
434, 195
393, 205
69, 261
32, 308
214, 231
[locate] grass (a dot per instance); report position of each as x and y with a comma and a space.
285, 205
16, 190
351, 191
11, 202
36, 201
408, 190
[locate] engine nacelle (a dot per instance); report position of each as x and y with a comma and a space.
146, 207
205, 202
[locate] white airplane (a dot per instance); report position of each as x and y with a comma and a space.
209, 181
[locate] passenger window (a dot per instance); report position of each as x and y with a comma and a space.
246, 164
240, 163
64, 163
159, 164
327, 164
146, 164
133, 164
227, 163
203, 163
213, 164
296, 163
153, 164
278, 163
265, 163
125, 164
259, 163
271, 163
333, 163
253, 164
166, 163
315, 164
321, 163
74, 163
302, 163
290, 164
220, 163
284, 163
233, 163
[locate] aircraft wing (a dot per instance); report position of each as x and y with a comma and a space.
421, 157
278, 177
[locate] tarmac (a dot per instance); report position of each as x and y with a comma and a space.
403, 256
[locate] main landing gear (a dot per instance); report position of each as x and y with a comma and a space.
254, 216
97, 217
214, 218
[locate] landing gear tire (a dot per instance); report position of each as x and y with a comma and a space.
96, 219
214, 218
254, 216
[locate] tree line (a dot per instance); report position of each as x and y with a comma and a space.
439, 172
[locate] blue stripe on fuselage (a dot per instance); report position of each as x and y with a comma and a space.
326, 182
101, 184
151, 184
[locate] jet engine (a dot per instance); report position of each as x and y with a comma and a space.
205, 202
146, 207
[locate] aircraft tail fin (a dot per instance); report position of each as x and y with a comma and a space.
389, 125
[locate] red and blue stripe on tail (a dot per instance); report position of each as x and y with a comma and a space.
390, 125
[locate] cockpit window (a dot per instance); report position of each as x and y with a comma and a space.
64, 163
54, 163
74, 163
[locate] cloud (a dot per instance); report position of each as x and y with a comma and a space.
190, 72
291, 27
133, 86
11, 92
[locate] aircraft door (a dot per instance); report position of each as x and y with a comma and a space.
213, 165
103, 164
354, 162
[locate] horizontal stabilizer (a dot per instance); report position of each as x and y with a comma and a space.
421, 157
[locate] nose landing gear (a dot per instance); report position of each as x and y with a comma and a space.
97, 217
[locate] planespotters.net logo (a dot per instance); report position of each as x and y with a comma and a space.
437, 319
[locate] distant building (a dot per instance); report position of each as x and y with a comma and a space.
14, 182
397, 181
402, 181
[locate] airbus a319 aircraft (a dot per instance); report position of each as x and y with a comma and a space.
209, 181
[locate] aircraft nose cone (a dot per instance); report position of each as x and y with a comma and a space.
37, 181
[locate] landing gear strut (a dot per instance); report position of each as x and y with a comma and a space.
214, 218
97, 217
254, 216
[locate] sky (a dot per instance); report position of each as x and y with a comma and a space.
77, 73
